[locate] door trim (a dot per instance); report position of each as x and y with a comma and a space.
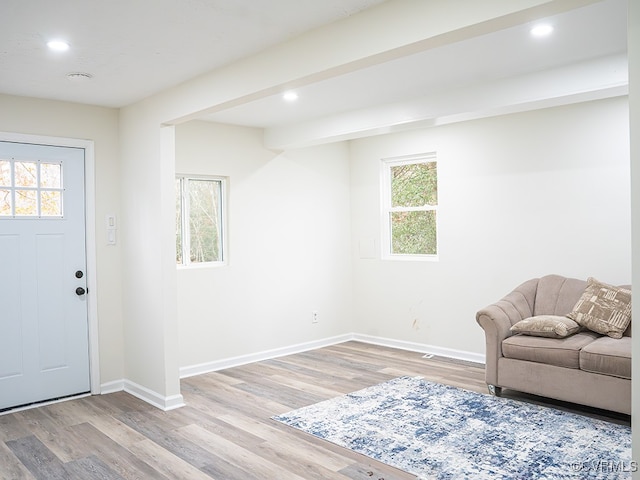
90, 236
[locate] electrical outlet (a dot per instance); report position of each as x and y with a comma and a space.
314, 316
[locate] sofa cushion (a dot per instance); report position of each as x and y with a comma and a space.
603, 308
556, 295
562, 352
609, 356
552, 326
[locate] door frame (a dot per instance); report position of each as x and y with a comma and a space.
90, 236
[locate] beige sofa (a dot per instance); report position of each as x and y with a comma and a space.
585, 368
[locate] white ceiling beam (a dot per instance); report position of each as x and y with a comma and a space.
391, 30
600, 78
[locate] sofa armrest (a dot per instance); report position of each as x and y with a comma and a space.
497, 319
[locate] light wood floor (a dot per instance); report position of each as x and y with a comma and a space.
225, 431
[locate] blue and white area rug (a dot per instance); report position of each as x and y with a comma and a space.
440, 432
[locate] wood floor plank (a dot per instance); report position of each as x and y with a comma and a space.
12, 427
117, 457
199, 399
64, 443
304, 462
11, 468
37, 458
37, 421
238, 400
226, 432
328, 358
314, 367
279, 436
298, 384
113, 428
233, 431
114, 403
166, 462
240, 457
68, 413
222, 469
182, 447
217, 378
90, 467
343, 383
282, 394
358, 471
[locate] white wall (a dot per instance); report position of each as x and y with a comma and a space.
149, 277
289, 246
634, 108
520, 196
147, 231
68, 120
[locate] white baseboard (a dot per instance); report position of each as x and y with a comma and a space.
154, 398
176, 401
111, 387
421, 347
143, 393
216, 365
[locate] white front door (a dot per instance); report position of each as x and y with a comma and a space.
44, 349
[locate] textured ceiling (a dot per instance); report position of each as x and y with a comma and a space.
583, 35
135, 48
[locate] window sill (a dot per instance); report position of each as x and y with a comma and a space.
412, 258
199, 266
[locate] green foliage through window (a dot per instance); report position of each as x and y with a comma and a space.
411, 200
199, 220
413, 233
414, 185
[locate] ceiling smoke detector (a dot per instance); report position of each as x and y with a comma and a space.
79, 77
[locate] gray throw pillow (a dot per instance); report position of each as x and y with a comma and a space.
552, 326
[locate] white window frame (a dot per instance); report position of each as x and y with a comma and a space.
386, 209
38, 188
186, 244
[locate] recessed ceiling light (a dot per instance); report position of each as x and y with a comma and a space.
290, 96
58, 45
541, 30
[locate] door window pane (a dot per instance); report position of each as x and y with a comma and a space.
50, 175
26, 174
30, 189
26, 202
5, 202
5, 173
51, 203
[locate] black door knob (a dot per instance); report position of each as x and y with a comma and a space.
80, 291
79, 274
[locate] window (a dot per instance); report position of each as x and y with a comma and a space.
30, 189
410, 203
200, 220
